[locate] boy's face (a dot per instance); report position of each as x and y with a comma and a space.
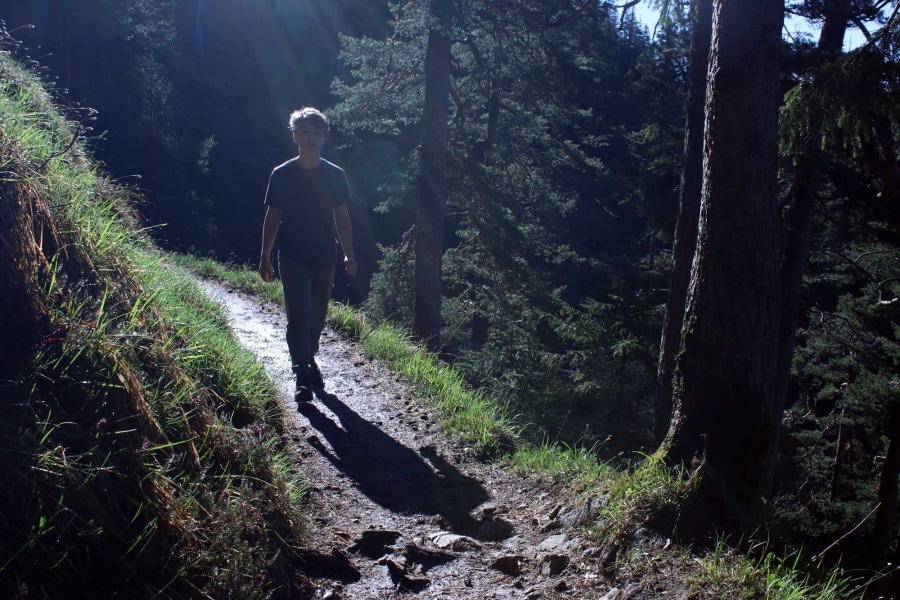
310, 137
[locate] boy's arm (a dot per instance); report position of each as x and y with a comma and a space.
345, 235
270, 229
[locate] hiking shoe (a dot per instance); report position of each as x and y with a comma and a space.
315, 377
303, 391
303, 395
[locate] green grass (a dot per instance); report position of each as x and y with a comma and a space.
565, 464
465, 413
143, 448
730, 573
240, 277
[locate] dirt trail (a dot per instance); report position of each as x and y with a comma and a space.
415, 514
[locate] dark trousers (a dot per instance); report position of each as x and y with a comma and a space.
306, 294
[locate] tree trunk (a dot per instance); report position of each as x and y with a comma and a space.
688, 215
837, 466
490, 140
801, 212
431, 206
724, 383
882, 158
886, 516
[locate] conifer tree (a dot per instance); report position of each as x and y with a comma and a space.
430, 206
724, 387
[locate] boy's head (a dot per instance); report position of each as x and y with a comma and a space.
309, 117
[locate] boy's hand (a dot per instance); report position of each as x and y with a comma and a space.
350, 266
265, 270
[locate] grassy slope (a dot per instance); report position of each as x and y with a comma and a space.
141, 447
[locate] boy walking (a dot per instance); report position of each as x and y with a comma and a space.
306, 201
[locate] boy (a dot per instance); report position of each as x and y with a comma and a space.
306, 200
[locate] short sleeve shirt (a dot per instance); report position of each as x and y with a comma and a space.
307, 199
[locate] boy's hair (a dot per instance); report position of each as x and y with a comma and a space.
310, 115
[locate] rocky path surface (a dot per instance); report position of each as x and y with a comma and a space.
403, 511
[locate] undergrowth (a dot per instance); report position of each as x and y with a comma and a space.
142, 447
629, 498
632, 498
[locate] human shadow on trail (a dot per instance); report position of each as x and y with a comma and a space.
390, 473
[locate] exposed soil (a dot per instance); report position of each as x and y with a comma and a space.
400, 511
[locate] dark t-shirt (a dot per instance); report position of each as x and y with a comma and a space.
307, 198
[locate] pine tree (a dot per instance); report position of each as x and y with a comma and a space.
723, 412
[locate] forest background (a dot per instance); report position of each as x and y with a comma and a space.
565, 151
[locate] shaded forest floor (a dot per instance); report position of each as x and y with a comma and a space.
405, 512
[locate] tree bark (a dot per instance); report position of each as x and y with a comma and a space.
724, 376
688, 215
430, 210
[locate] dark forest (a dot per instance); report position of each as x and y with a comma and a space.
628, 273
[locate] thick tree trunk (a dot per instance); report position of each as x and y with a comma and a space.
724, 383
688, 215
431, 206
480, 322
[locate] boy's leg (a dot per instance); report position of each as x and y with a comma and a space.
297, 285
322, 284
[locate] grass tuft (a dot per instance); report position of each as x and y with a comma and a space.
465, 413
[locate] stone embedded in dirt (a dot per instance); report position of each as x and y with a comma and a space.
396, 568
551, 525
613, 594
582, 515
553, 564
554, 543
555, 512
414, 583
510, 564
488, 509
446, 540
427, 558
374, 543
494, 529
546, 590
